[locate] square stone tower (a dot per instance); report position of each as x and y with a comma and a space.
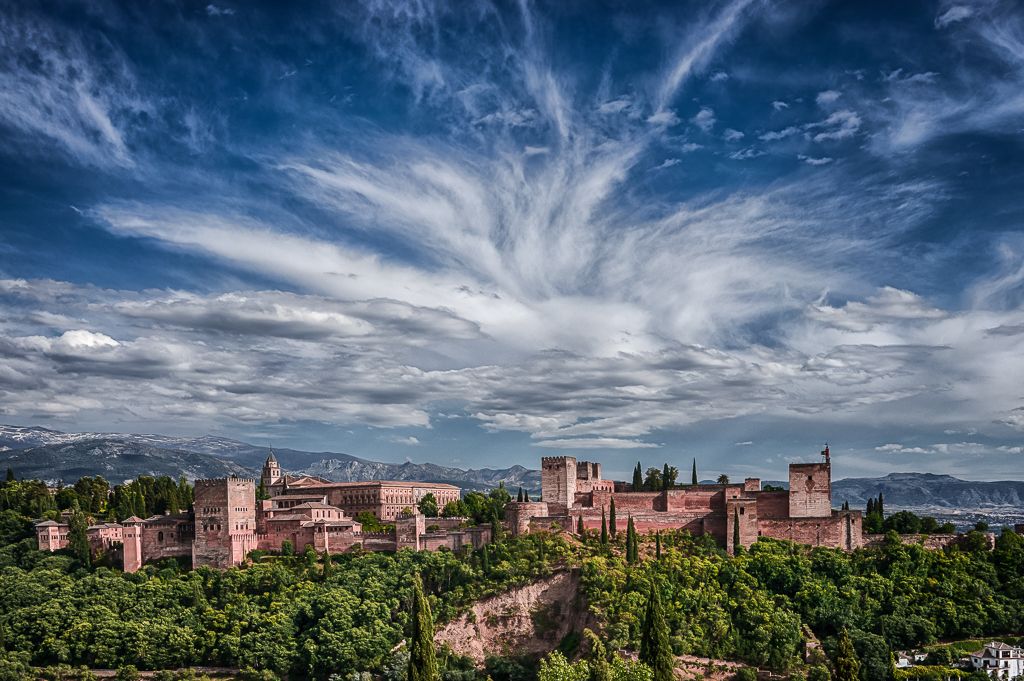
225, 516
810, 490
558, 482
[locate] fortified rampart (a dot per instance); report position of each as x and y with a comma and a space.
574, 495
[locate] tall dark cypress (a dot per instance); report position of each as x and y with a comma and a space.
632, 548
579, 526
666, 479
519, 497
693, 476
422, 656
881, 504
604, 528
526, 495
485, 560
657, 545
655, 649
612, 525
735, 530
638, 478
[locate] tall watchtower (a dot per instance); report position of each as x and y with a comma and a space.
225, 516
810, 488
558, 482
271, 474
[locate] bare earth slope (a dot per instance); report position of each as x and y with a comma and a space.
532, 619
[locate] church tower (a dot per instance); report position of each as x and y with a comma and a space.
271, 475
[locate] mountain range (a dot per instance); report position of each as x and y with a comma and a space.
52, 455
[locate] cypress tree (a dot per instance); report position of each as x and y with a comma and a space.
847, 666
10, 474
612, 525
78, 539
735, 531
604, 528
579, 526
497, 531
693, 476
881, 504
328, 566
632, 548
638, 478
519, 498
526, 495
666, 481
485, 560
655, 650
422, 656
657, 545
600, 670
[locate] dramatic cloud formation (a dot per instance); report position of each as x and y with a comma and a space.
416, 230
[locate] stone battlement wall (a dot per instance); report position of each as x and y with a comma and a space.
928, 541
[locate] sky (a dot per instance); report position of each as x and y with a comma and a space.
479, 233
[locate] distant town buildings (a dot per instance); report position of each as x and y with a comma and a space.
227, 521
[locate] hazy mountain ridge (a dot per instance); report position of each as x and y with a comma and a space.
53, 455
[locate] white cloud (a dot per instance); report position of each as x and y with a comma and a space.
827, 97
215, 11
719, 76
773, 135
409, 440
812, 161
746, 154
667, 163
952, 15
704, 119
779, 105
595, 443
731, 135
839, 125
666, 118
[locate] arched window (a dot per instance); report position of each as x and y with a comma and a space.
160, 536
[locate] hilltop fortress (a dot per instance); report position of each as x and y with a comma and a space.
575, 494
227, 521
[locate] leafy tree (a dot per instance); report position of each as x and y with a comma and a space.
846, 664
422, 656
612, 525
78, 539
693, 473
428, 505
287, 548
723, 479
653, 482
655, 649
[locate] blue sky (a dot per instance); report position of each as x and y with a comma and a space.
477, 233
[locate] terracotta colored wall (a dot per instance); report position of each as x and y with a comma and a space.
558, 481
773, 505
225, 525
165, 540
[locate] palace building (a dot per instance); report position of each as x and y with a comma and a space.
228, 521
575, 494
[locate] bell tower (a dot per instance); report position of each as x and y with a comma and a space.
271, 474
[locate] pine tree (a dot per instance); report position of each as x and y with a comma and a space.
657, 545
604, 528
632, 547
612, 525
847, 666
78, 539
422, 656
638, 478
655, 650
519, 497
735, 531
693, 476
666, 478
579, 526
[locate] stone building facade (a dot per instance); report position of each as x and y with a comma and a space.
228, 522
574, 492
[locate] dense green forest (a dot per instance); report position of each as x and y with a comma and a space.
308, 616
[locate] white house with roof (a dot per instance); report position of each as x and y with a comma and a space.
999, 660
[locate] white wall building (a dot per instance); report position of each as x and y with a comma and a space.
999, 660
